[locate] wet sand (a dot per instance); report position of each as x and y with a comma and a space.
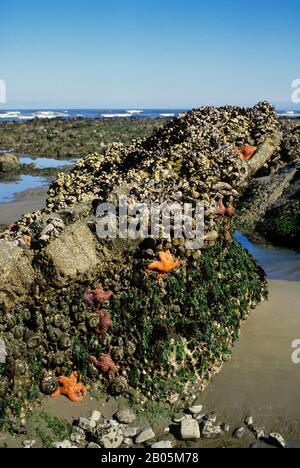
261, 380
25, 202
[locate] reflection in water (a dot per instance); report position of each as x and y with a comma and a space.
279, 263
46, 163
9, 189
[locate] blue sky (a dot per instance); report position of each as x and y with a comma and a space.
148, 53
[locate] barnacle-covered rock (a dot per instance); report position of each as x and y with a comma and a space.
93, 309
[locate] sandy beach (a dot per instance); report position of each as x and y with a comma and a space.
25, 202
261, 380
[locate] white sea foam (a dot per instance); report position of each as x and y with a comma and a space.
49, 114
107, 116
10, 115
289, 114
26, 117
135, 112
167, 115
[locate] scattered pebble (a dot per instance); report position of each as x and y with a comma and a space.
162, 445
92, 445
178, 418
225, 427
239, 433
125, 416
211, 417
209, 430
28, 443
190, 430
249, 421
258, 432
195, 409
65, 444
144, 436
277, 439
113, 439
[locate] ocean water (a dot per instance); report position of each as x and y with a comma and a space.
278, 262
47, 163
23, 115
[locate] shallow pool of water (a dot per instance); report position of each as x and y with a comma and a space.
8, 190
279, 263
46, 163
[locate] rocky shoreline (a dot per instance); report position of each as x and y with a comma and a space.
270, 207
72, 138
74, 304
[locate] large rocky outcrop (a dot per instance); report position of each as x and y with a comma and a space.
9, 163
70, 256
16, 274
93, 307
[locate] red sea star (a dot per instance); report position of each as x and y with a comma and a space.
105, 322
96, 296
228, 213
105, 364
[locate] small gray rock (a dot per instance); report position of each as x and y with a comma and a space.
28, 443
125, 416
92, 445
164, 444
65, 444
128, 441
195, 409
96, 416
113, 439
190, 430
84, 424
78, 435
248, 421
225, 427
114, 423
211, 417
258, 432
129, 431
144, 436
178, 418
239, 433
277, 439
209, 430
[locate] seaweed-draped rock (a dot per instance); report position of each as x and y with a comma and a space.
96, 311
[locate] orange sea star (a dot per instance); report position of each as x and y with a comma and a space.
71, 388
247, 151
27, 240
165, 265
